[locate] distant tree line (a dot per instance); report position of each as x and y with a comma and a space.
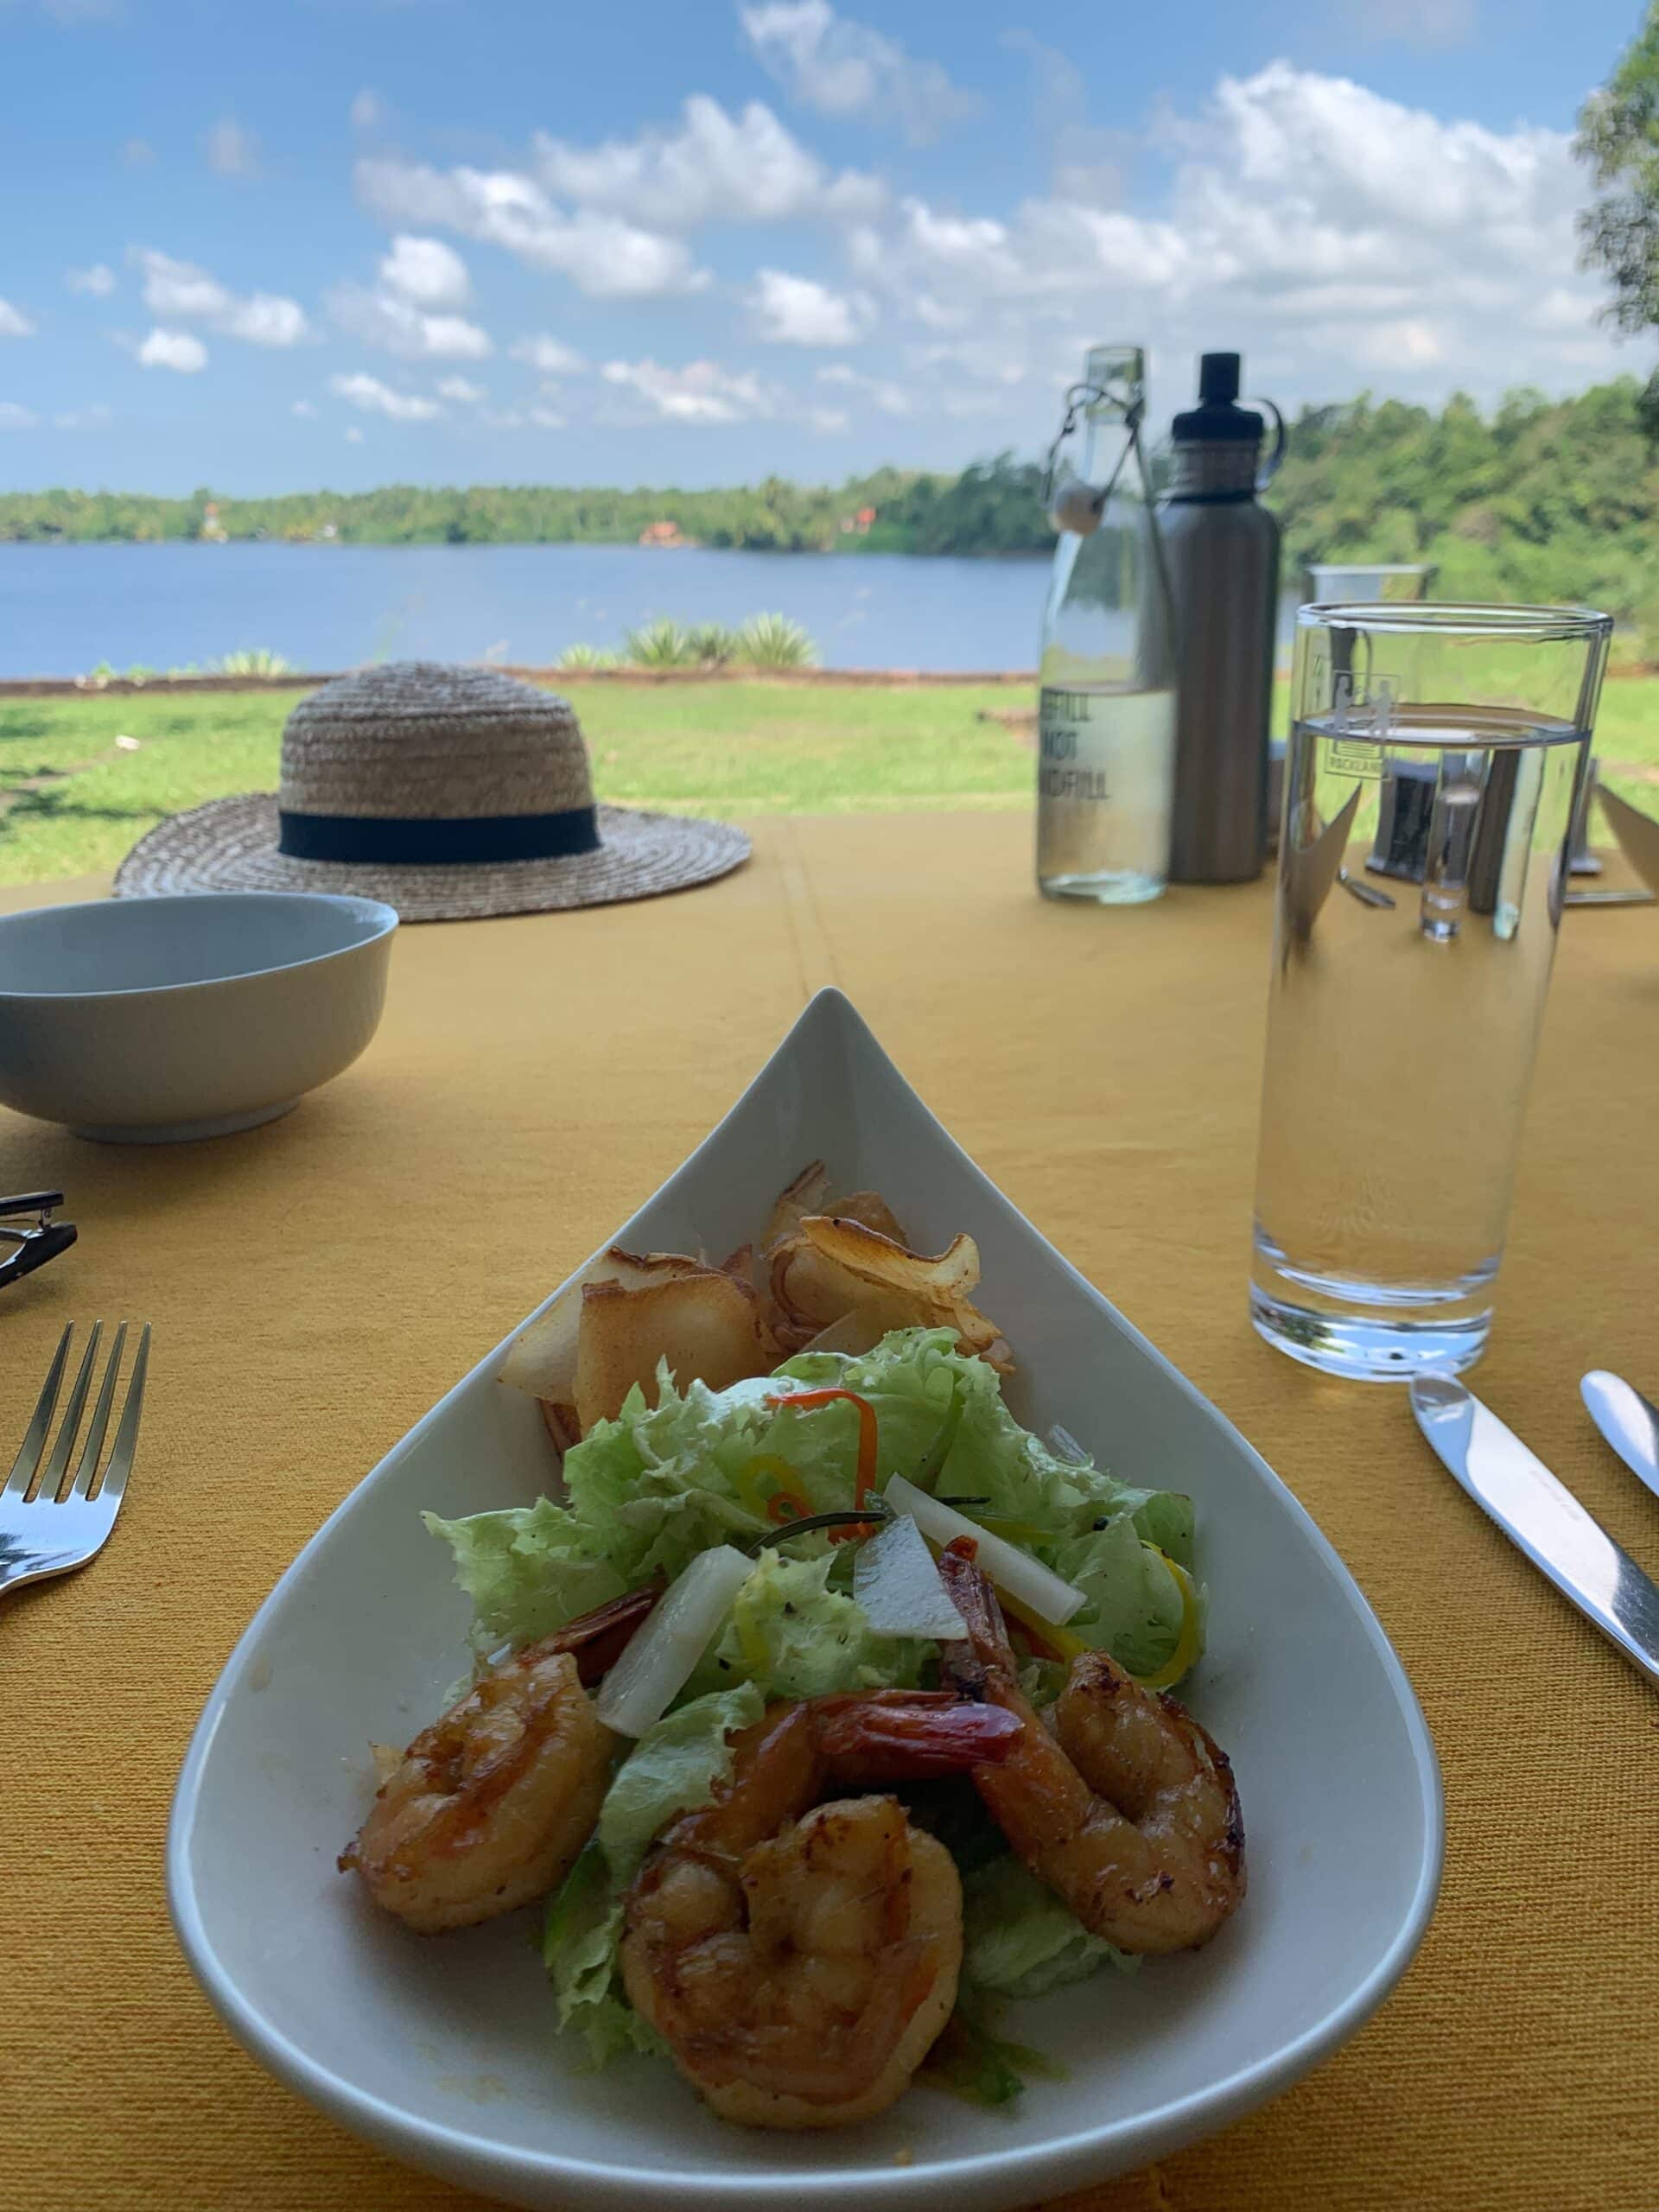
1539, 499
991, 508
1542, 499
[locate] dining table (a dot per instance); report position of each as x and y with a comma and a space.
316, 1284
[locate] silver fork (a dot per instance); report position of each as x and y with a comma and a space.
50, 1534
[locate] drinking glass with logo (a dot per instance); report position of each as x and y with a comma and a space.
1436, 753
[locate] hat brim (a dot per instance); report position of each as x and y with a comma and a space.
230, 844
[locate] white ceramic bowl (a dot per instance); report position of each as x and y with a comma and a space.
149, 1020
443, 2049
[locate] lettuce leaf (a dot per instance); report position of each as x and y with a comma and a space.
527, 1571
651, 1490
1134, 1603
798, 1636
673, 1769
969, 2060
1019, 1940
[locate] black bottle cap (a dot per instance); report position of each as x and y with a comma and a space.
1215, 417
1218, 377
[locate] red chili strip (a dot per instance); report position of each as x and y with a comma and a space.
805, 1400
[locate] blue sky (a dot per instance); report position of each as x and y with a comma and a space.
346, 242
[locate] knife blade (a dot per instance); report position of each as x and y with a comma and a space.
1628, 1421
1541, 1518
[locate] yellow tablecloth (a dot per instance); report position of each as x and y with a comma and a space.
315, 1284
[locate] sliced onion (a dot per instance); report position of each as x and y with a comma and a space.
1011, 1569
755, 1389
659, 1661
898, 1587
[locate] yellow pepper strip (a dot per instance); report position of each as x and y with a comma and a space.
1061, 1640
1186, 1643
1056, 1640
748, 1482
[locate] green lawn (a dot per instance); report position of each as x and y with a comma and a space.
73, 799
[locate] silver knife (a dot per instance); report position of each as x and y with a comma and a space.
1625, 1417
1541, 1515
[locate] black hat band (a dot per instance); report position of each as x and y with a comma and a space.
438, 841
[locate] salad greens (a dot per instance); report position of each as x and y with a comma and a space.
1019, 1940
649, 1492
673, 1769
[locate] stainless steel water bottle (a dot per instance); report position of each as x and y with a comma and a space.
1222, 552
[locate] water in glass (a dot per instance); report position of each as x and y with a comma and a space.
1423, 862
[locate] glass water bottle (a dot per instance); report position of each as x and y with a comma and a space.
1106, 714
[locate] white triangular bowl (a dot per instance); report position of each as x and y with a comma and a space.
444, 2050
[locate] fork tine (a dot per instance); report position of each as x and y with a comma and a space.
53, 1478
24, 1466
87, 1465
126, 1436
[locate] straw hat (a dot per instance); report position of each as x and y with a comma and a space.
448, 792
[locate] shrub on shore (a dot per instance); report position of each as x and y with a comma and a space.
767, 641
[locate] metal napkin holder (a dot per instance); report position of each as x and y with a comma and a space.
22, 1250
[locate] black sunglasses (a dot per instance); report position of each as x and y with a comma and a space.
31, 1248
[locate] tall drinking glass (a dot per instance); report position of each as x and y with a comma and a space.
1436, 753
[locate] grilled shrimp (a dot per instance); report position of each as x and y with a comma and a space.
1128, 1811
490, 1805
799, 1958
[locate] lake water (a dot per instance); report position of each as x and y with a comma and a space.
63, 608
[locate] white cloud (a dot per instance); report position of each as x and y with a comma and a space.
427, 271
1335, 235
229, 151
13, 417
601, 254
377, 398
138, 153
14, 323
549, 354
700, 392
545, 418
265, 320
173, 349
830, 421
99, 281
795, 311
715, 167
354, 435
305, 409
95, 417
841, 67
179, 288
891, 398
382, 320
180, 291
457, 388
368, 111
